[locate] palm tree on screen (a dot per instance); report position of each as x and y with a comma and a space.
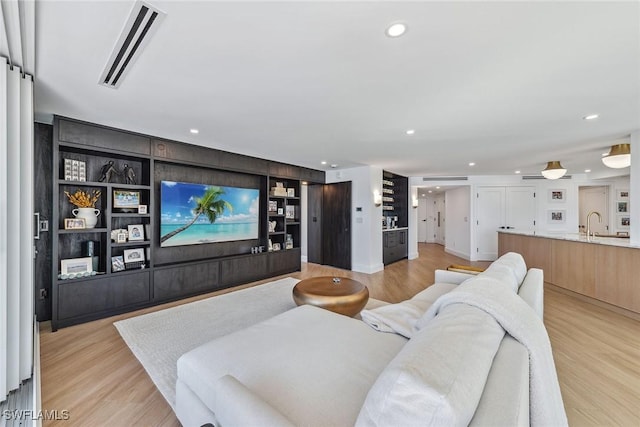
210, 204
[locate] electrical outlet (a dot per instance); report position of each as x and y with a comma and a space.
43, 293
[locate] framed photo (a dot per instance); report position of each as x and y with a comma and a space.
291, 212
136, 232
121, 237
117, 263
624, 221
276, 246
74, 223
142, 209
558, 195
556, 216
76, 265
291, 192
280, 211
623, 207
273, 206
133, 255
623, 195
126, 200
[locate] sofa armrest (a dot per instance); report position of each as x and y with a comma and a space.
236, 405
445, 276
532, 290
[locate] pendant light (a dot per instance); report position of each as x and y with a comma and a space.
554, 170
619, 156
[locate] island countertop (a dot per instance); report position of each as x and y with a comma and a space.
602, 268
623, 242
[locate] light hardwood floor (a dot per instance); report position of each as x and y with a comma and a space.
89, 371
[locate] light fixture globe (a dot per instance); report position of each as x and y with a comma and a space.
619, 157
554, 170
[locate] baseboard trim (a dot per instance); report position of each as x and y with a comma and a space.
457, 253
369, 269
623, 311
413, 255
303, 258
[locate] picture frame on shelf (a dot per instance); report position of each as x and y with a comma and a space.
276, 247
273, 206
624, 221
117, 263
133, 255
142, 209
136, 232
290, 212
121, 237
291, 192
126, 200
622, 195
557, 195
280, 211
75, 223
76, 265
556, 216
622, 207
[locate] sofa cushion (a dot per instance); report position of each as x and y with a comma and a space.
438, 377
401, 318
300, 362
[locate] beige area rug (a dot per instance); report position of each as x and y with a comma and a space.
159, 339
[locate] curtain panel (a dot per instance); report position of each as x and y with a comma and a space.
16, 227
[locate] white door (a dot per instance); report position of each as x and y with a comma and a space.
594, 199
422, 220
439, 219
431, 219
510, 208
520, 205
490, 216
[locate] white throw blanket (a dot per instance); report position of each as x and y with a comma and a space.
521, 322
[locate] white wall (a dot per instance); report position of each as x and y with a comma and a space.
457, 226
366, 228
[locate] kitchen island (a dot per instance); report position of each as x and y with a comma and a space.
604, 269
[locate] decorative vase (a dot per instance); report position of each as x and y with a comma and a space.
90, 216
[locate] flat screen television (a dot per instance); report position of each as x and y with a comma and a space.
193, 214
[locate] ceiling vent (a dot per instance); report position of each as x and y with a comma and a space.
445, 178
542, 177
142, 23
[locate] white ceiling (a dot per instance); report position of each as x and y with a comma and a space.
502, 84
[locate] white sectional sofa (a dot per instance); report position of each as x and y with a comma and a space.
431, 360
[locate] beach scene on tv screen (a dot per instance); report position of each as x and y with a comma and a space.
192, 214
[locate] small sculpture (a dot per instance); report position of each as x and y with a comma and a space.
129, 174
107, 171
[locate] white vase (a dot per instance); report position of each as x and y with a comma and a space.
90, 216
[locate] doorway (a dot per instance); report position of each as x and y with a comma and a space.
594, 199
329, 224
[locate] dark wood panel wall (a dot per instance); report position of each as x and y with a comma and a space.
43, 204
173, 273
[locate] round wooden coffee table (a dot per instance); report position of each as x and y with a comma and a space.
338, 294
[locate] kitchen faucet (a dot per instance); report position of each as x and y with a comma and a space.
589, 222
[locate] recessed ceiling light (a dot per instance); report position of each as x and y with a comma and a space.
411, 131
334, 165
472, 164
194, 131
591, 117
437, 188
517, 171
304, 183
422, 195
587, 170
430, 191
397, 29
323, 162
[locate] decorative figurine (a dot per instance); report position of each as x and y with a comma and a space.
129, 174
107, 171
